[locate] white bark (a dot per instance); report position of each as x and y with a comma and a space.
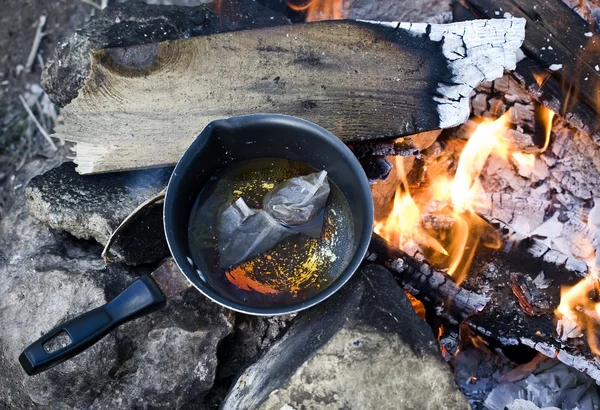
477, 51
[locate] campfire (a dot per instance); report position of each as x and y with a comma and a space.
445, 204
480, 141
443, 218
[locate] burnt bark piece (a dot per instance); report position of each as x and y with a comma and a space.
376, 167
92, 207
403, 148
561, 56
136, 23
425, 282
361, 80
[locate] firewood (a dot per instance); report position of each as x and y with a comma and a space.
425, 282
508, 299
561, 66
141, 106
507, 321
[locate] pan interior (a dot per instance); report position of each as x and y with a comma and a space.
294, 269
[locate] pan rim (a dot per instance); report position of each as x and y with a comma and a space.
361, 245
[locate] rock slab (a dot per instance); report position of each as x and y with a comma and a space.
164, 360
362, 348
92, 207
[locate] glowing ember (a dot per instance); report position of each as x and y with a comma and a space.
540, 79
417, 305
317, 10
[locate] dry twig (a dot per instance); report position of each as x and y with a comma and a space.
101, 6
40, 60
39, 34
37, 123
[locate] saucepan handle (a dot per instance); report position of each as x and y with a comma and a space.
142, 297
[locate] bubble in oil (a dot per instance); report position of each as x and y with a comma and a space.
294, 270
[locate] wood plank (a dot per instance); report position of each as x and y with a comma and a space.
141, 106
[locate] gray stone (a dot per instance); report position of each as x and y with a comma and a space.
165, 360
252, 334
136, 23
362, 348
91, 208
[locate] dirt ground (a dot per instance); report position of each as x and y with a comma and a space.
19, 140
18, 22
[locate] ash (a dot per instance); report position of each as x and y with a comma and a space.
554, 200
490, 382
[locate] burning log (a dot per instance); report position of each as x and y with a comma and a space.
361, 80
521, 302
425, 282
507, 300
561, 63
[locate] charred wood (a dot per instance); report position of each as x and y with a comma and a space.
561, 56
531, 299
507, 301
425, 282
403, 147
507, 321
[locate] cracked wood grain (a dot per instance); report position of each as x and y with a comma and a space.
142, 106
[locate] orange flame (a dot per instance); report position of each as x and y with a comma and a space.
403, 222
453, 247
486, 138
577, 311
317, 10
540, 78
547, 117
417, 305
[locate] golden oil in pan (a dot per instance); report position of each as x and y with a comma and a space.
294, 270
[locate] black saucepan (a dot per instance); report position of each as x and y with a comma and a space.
221, 144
